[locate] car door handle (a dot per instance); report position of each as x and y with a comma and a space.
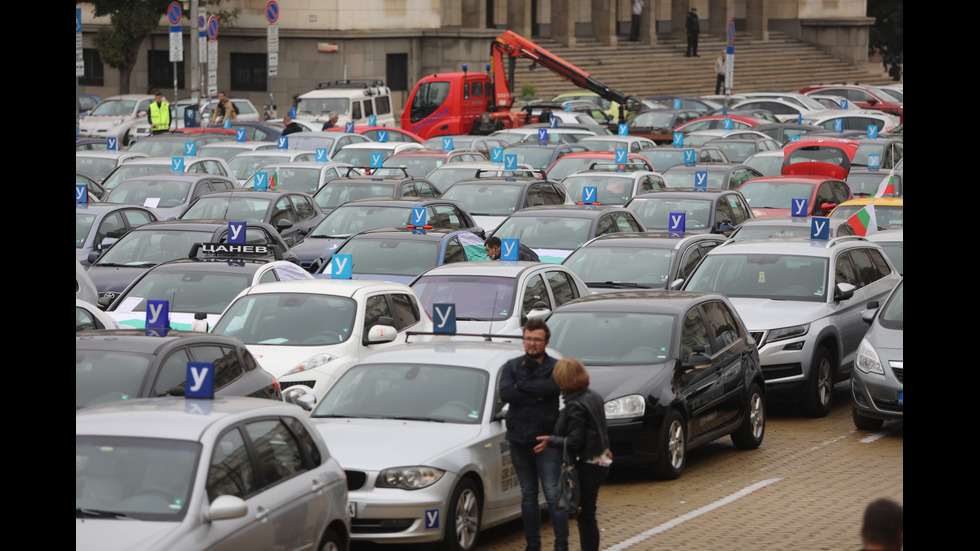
261, 512
317, 485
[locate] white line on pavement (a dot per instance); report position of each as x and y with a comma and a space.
691, 515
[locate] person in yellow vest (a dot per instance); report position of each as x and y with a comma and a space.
159, 115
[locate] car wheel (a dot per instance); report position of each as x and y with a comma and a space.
672, 451
331, 541
865, 423
462, 518
820, 386
749, 435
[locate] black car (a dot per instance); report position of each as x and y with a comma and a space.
709, 211
624, 261
144, 247
720, 176
676, 371
341, 190
292, 213
491, 199
127, 364
99, 225
541, 155
369, 214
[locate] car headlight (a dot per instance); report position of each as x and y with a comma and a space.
312, 362
117, 122
409, 478
784, 333
867, 359
627, 406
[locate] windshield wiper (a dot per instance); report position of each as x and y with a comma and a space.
412, 418
96, 513
619, 285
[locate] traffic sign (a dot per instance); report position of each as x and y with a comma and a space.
731, 32
213, 28
174, 13
272, 11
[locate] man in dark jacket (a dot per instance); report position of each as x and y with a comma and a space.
523, 251
693, 27
527, 385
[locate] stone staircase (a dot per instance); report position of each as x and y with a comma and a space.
781, 64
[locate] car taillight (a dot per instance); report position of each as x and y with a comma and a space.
275, 385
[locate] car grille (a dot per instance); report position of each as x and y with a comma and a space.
380, 526
779, 371
758, 336
889, 405
898, 370
355, 480
286, 384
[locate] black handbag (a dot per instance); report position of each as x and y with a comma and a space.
568, 488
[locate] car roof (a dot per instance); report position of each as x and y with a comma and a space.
651, 240
137, 340
569, 211
489, 356
789, 246
487, 268
883, 201
337, 287
660, 302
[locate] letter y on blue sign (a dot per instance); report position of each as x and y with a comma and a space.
341, 266
200, 380
701, 180
418, 216
677, 103
321, 154
872, 131
676, 221
236, 232
348, 127
376, 160
447, 144
445, 317
432, 519
497, 155
727, 124
542, 134
678, 139
843, 104
689, 156
239, 134
553, 123
620, 156
624, 130
799, 207
112, 144
158, 314
874, 161
283, 142
819, 228
373, 121
382, 136
177, 164
588, 195
261, 181
510, 162
838, 125
190, 149
81, 193
509, 249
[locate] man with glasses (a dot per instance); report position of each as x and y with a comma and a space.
526, 383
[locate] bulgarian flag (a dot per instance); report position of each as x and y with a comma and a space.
274, 181
887, 186
864, 221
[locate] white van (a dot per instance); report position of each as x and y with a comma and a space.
353, 100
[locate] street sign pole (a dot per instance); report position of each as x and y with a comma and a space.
272, 47
212, 29
729, 61
174, 14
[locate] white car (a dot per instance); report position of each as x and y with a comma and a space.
89, 318
116, 117
353, 101
419, 429
307, 333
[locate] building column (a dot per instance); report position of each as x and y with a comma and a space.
519, 17
604, 21
474, 13
563, 17
721, 12
757, 18
648, 22
678, 17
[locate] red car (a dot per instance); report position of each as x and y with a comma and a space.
575, 162
371, 132
717, 122
773, 195
866, 97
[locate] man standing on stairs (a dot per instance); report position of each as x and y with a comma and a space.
720, 72
693, 30
635, 23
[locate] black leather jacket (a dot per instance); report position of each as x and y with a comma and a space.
582, 424
532, 394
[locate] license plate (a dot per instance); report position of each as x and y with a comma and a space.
901, 401
352, 509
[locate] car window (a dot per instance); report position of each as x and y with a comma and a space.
306, 441
844, 271
722, 329
231, 469
405, 310
535, 292
173, 373
276, 449
227, 368
561, 286
454, 252
111, 226
375, 308
694, 334
85, 321
867, 271
688, 264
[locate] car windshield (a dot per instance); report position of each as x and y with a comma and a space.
321, 106
477, 298
95, 167
686, 178
643, 266
408, 391
612, 338
132, 170
335, 194
190, 291
107, 376
663, 158
359, 156
546, 232
149, 248
536, 156
347, 220
133, 477
496, 199
610, 190
249, 209
768, 165
865, 184
775, 195
570, 165
400, 257
285, 178
658, 118
83, 225
737, 152
865, 149
159, 148
418, 167
243, 166
114, 108
150, 193
655, 212
896, 253
771, 276
893, 314
289, 319
886, 217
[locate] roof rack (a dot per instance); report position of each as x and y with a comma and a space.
234, 251
371, 169
365, 85
485, 336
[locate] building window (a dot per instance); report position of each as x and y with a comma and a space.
161, 71
93, 68
248, 72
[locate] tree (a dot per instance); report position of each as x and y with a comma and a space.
132, 21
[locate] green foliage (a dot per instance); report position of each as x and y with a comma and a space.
528, 91
887, 31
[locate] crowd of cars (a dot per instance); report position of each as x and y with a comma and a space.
696, 279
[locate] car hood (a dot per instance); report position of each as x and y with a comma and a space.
376, 444
760, 314
114, 278
180, 321
119, 535
103, 122
312, 248
889, 343
614, 381
279, 360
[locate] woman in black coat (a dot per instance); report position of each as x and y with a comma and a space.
582, 428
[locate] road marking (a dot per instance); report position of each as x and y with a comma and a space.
692, 515
827, 443
873, 436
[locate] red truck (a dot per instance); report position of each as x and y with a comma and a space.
478, 103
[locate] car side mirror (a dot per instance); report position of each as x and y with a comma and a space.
676, 284
868, 315
697, 359
843, 291
538, 310
384, 331
283, 225
827, 207
226, 507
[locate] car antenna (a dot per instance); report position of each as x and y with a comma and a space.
490, 328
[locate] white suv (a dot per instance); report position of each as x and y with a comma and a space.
353, 100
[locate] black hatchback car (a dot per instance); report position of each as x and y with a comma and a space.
676, 370
127, 364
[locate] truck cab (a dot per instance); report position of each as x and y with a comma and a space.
447, 103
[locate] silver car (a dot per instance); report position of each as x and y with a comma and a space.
228, 473
802, 302
877, 385
420, 433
